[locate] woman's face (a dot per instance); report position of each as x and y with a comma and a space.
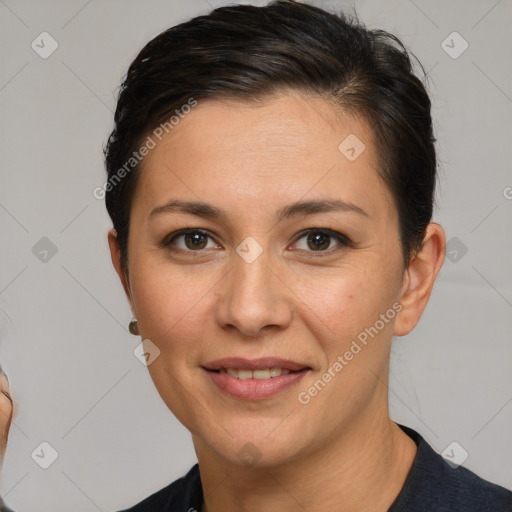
266, 277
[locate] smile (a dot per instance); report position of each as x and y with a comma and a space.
267, 373
255, 384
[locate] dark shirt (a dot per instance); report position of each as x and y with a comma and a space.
431, 486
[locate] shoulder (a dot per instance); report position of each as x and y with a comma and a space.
184, 494
433, 485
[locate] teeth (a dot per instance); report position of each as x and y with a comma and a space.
244, 374
267, 373
260, 374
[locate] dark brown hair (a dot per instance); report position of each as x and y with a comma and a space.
245, 52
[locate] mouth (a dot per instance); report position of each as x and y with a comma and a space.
262, 363
255, 379
263, 374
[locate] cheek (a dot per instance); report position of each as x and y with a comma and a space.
343, 313
170, 303
343, 302
172, 310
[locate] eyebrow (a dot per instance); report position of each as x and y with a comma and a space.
297, 209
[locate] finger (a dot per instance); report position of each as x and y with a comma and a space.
4, 385
6, 409
6, 393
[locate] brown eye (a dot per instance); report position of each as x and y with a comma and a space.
195, 240
189, 240
318, 240
321, 240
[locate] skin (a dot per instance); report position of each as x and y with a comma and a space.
6, 414
294, 301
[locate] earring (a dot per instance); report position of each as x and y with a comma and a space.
133, 327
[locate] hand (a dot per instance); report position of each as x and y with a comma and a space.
6, 412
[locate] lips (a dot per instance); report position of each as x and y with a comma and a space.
261, 363
255, 384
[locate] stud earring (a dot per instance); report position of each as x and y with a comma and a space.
133, 327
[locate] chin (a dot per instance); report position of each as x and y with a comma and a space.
255, 455
262, 447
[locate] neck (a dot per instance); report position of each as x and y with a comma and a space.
362, 469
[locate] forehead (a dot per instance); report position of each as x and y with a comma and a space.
275, 149
283, 123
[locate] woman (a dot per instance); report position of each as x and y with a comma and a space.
275, 236
271, 177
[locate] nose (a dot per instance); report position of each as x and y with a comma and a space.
253, 297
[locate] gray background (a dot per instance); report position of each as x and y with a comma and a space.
63, 324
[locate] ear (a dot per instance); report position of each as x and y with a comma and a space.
115, 254
419, 279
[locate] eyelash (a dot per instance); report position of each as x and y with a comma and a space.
343, 240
